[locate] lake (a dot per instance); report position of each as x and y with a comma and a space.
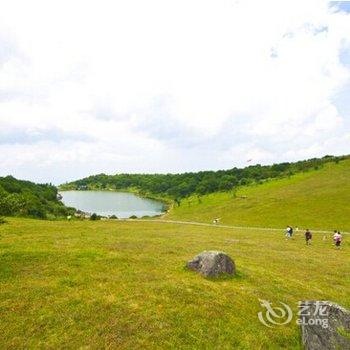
121, 204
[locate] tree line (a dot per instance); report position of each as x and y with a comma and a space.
177, 186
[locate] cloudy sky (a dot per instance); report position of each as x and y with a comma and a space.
170, 86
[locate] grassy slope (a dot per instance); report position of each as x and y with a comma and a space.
122, 285
319, 199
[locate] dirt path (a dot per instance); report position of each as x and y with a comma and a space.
221, 226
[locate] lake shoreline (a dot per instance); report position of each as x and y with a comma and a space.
165, 200
130, 204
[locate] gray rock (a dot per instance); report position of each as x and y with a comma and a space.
324, 325
212, 264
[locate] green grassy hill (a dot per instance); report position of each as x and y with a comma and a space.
318, 199
27, 199
123, 285
177, 186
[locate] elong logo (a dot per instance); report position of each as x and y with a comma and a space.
316, 315
275, 316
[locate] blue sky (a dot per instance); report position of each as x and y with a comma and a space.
163, 86
341, 5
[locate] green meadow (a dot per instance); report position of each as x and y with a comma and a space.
123, 285
317, 199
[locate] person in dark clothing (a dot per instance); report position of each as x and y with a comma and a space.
308, 236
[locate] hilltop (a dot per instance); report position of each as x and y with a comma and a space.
178, 186
312, 193
317, 199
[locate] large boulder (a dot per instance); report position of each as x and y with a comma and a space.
324, 325
212, 264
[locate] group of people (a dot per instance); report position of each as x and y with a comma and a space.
337, 237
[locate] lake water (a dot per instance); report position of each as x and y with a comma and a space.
121, 204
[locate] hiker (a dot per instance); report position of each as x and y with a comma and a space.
216, 221
289, 232
337, 237
308, 236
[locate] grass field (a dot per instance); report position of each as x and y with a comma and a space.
318, 199
96, 285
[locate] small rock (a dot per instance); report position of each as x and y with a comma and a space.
324, 325
212, 264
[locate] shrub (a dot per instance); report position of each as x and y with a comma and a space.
94, 216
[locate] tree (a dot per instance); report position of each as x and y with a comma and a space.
227, 182
94, 217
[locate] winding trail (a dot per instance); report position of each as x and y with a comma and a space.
196, 223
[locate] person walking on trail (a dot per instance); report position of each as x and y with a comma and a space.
308, 236
289, 232
337, 237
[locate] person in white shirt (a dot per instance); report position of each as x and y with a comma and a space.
289, 232
337, 237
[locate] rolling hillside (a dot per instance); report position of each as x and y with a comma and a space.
318, 199
123, 284
175, 187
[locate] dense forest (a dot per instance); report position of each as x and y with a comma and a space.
25, 198
177, 186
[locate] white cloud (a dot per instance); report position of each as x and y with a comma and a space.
168, 86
